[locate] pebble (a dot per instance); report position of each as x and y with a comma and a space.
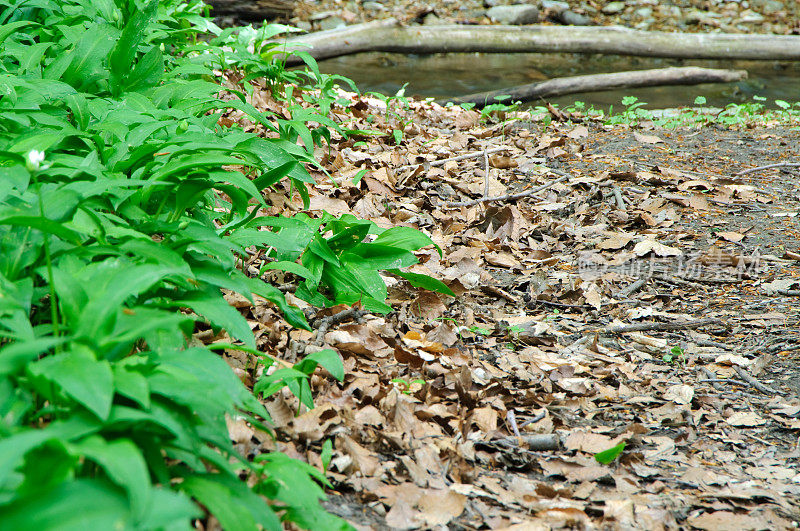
516, 15
574, 19
555, 6
373, 6
332, 23
612, 8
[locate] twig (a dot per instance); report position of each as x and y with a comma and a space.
533, 442
618, 198
512, 421
323, 324
686, 325
678, 281
534, 420
747, 377
631, 288
511, 197
709, 343
768, 166
485, 174
455, 159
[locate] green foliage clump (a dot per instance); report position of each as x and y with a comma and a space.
123, 210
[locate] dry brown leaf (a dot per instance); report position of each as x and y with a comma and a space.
646, 139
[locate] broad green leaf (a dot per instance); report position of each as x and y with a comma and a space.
15, 356
405, 238
124, 464
219, 313
419, 280
126, 47
327, 358
233, 504
607, 456
81, 376
76, 505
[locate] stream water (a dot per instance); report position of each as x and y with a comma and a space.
443, 75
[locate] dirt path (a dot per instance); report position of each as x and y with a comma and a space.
648, 230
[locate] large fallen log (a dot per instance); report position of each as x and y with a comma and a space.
252, 10
389, 36
688, 75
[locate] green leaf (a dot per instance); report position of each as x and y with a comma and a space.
235, 506
219, 313
419, 280
606, 456
405, 238
76, 505
44, 225
326, 358
81, 376
124, 464
15, 356
127, 46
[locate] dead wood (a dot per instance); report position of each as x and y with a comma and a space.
689, 75
252, 10
750, 379
510, 197
686, 325
768, 166
389, 36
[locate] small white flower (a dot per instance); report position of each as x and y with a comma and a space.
34, 159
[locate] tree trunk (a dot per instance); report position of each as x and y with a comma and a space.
388, 36
690, 75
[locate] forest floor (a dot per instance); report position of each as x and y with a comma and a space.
646, 295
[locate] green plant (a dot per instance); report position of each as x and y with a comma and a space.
607, 456
478, 330
499, 109
405, 386
554, 315
124, 210
396, 114
675, 355
633, 113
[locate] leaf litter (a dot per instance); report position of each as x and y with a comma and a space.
622, 349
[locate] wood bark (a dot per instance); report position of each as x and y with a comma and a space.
252, 10
690, 75
389, 36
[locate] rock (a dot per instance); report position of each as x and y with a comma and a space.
373, 6
515, 15
574, 19
644, 12
612, 8
431, 20
331, 23
768, 7
303, 25
554, 6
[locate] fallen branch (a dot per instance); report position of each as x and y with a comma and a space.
530, 442
641, 327
688, 75
631, 288
747, 377
324, 323
768, 166
441, 162
510, 197
389, 36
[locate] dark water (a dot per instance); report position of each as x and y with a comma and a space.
441, 76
